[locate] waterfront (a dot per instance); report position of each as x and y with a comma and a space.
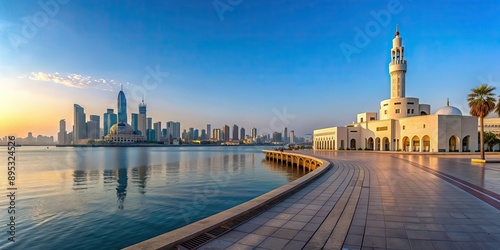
109, 198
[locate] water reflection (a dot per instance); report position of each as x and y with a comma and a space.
293, 173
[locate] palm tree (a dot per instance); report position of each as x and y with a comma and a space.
490, 139
481, 103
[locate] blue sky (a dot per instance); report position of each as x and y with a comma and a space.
237, 66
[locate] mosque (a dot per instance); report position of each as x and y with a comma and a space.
122, 132
404, 124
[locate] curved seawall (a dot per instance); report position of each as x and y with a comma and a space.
203, 231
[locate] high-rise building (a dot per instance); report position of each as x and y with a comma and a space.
184, 135
174, 130
292, 136
94, 130
122, 107
141, 124
110, 119
62, 135
80, 127
254, 133
203, 135
142, 107
277, 137
135, 122
141, 118
225, 133
196, 135
235, 132
149, 123
209, 129
157, 129
190, 134
217, 134
164, 133
242, 134
284, 135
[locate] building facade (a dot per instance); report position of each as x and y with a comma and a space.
403, 123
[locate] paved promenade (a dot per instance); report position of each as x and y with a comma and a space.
382, 201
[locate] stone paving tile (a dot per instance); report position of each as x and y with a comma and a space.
295, 244
274, 243
373, 241
400, 207
238, 246
252, 239
265, 230
285, 233
397, 243
421, 244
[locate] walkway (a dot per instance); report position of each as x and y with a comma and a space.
381, 201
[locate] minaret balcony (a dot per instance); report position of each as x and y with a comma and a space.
397, 67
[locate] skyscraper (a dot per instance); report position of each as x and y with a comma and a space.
122, 107
135, 122
254, 133
235, 132
196, 135
157, 129
292, 136
217, 134
141, 118
191, 134
277, 137
242, 134
142, 107
209, 129
110, 119
94, 131
149, 123
225, 133
62, 135
203, 135
284, 135
80, 127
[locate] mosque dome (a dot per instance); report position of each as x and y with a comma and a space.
121, 128
448, 110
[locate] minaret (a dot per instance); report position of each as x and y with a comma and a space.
397, 67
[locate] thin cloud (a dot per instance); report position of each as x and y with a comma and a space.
77, 81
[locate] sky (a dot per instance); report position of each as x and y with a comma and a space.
263, 64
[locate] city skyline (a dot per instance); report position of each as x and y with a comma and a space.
306, 60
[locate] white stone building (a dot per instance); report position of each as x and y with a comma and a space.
404, 123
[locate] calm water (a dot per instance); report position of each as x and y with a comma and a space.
109, 198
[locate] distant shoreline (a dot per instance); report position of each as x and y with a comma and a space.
160, 145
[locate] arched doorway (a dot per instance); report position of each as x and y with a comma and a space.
377, 144
453, 144
415, 144
426, 143
341, 144
370, 143
386, 144
353, 144
465, 144
406, 144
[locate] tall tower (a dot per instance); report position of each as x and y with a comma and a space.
397, 67
122, 107
80, 128
141, 118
